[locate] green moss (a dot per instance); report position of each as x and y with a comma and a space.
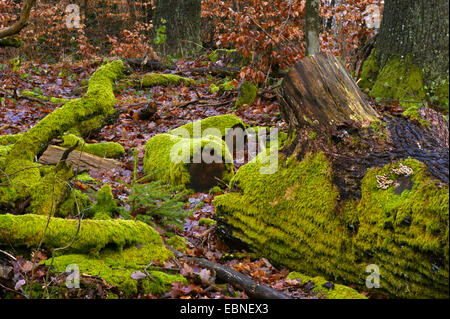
338, 292
299, 225
247, 94
107, 149
401, 80
4, 150
94, 235
369, 71
177, 242
75, 202
221, 88
49, 191
106, 205
85, 177
160, 148
221, 122
216, 190
97, 102
207, 222
9, 139
116, 268
11, 42
155, 79
45, 98
440, 95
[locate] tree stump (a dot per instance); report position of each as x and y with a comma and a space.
357, 192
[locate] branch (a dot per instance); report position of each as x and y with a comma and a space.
17, 26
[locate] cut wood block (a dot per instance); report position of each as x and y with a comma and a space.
80, 161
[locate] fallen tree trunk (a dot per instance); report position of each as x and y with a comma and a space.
356, 194
22, 176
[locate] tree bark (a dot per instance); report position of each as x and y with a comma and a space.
418, 28
312, 28
319, 96
346, 196
183, 23
17, 26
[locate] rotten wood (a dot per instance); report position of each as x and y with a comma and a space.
79, 161
318, 92
319, 96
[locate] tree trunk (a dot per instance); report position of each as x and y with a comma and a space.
183, 22
350, 200
312, 28
417, 28
319, 96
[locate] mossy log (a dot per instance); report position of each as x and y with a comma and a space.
111, 249
19, 173
347, 194
154, 79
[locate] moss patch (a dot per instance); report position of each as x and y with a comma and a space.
369, 71
45, 98
117, 267
247, 94
336, 292
107, 149
155, 79
300, 225
401, 80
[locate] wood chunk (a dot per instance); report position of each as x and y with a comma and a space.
80, 161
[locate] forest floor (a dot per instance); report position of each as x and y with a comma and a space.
176, 105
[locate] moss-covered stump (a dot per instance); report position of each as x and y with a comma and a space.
400, 223
195, 163
195, 155
111, 249
20, 174
106, 149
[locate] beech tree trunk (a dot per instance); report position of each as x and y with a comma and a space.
417, 28
183, 23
